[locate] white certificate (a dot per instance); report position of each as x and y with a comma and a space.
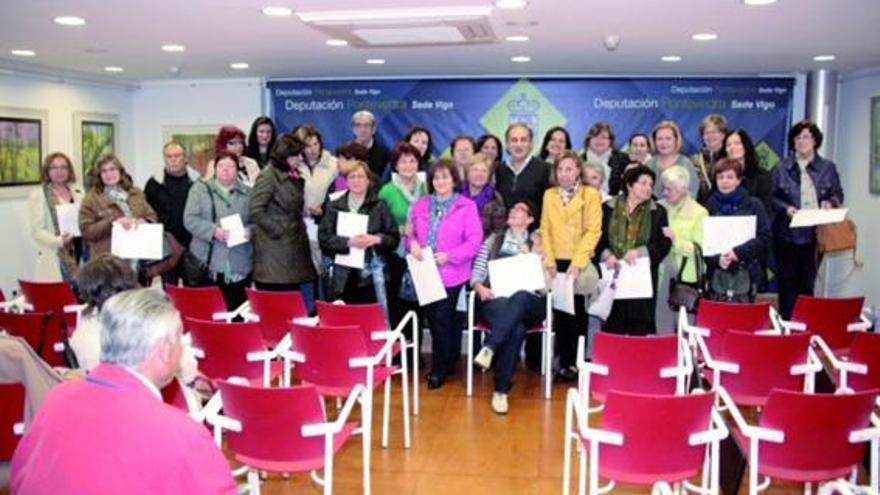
819, 216
633, 281
237, 233
311, 229
563, 293
721, 234
350, 225
426, 277
141, 242
68, 219
515, 273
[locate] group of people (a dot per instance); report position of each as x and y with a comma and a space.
491, 199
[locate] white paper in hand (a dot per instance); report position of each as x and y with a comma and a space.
311, 228
350, 225
633, 281
819, 216
721, 234
141, 242
68, 218
235, 227
515, 273
563, 293
426, 277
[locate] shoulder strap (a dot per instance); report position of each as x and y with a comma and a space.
214, 221
497, 242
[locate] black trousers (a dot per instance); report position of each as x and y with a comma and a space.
796, 267
568, 327
509, 317
445, 333
233, 292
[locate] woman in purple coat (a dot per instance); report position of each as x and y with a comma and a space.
450, 225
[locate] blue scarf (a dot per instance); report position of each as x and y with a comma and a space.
439, 210
482, 198
727, 204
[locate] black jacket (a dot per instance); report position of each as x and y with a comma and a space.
617, 162
530, 184
752, 254
167, 196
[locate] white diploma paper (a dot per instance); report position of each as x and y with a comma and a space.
563, 293
350, 225
426, 277
235, 227
515, 273
68, 219
721, 234
634, 281
141, 242
810, 218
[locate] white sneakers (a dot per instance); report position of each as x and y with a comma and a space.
484, 358
499, 402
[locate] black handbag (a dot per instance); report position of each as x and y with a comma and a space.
733, 285
196, 272
687, 294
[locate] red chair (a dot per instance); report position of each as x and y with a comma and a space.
750, 366
336, 360
370, 319
714, 319
860, 369
834, 320
228, 350
545, 329
31, 327
645, 439
274, 311
200, 303
11, 419
808, 438
284, 430
53, 296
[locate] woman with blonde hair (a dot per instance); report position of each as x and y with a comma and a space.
478, 187
668, 144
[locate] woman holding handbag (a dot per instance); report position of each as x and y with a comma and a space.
683, 264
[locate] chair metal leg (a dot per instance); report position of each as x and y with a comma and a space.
416, 356
404, 363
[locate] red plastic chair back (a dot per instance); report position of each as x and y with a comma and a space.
634, 364
29, 326
656, 430
276, 310
327, 351
765, 363
816, 428
12, 412
226, 346
271, 425
198, 303
2, 296
368, 318
173, 395
721, 317
829, 317
51, 296
865, 349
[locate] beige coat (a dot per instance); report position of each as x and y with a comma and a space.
98, 211
47, 265
250, 166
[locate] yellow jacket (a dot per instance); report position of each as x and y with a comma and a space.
571, 231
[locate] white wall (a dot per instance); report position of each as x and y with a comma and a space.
195, 102
60, 98
852, 156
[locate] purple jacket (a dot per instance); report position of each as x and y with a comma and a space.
460, 237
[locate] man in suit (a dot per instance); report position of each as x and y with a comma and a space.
111, 432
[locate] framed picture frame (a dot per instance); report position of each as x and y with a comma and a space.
94, 135
197, 141
874, 156
23, 144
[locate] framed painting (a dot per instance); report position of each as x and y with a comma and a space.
95, 135
197, 142
874, 163
22, 148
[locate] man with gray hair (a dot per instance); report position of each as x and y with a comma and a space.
363, 125
111, 432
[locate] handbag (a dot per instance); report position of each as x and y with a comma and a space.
733, 285
683, 294
837, 237
196, 273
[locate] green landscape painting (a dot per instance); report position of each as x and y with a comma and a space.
21, 151
97, 141
199, 149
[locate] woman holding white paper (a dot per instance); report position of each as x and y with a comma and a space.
508, 317
571, 222
367, 284
112, 200
632, 228
219, 239
449, 224
730, 270
58, 250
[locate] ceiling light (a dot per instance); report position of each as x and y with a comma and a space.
517, 38
704, 37
375, 61
239, 66
393, 14
113, 68
670, 58
511, 4
277, 11
173, 48
824, 58
69, 20
336, 42
521, 59
23, 53
758, 3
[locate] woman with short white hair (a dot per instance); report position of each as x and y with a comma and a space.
685, 230
594, 176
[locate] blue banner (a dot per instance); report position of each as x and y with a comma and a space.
450, 107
